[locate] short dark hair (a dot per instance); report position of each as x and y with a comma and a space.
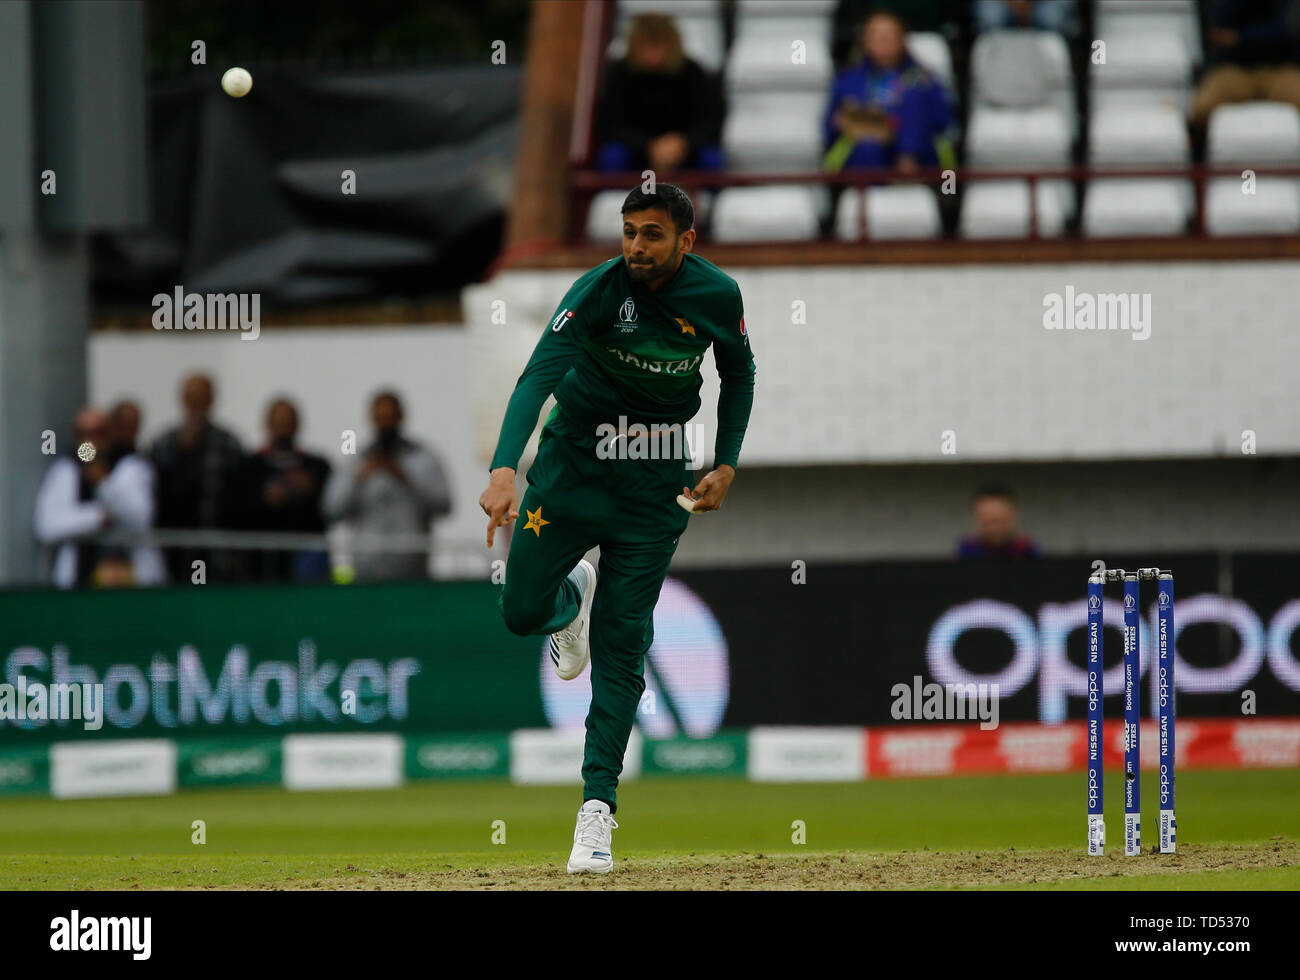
670, 197
993, 490
387, 395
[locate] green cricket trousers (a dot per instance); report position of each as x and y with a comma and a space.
575, 501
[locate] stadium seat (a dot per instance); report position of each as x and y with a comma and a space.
1142, 68
603, 224
994, 49
1254, 133
1140, 135
1274, 208
762, 55
774, 131
1144, 17
931, 51
892, 213
1012, 139
777, 213
1127, 207
1000, 209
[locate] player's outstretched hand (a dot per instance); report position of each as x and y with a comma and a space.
499, 501
710, 491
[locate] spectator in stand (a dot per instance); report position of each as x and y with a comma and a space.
397, 487
997, 535
1046, 15
659, 108
100, 487
930, 16
286, 485
123, 429
1254, 54
886, 111
201, 470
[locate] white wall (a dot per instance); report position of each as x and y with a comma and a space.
892, 357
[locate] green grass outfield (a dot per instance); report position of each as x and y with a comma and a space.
1237, 829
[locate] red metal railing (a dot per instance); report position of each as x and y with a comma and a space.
585, 184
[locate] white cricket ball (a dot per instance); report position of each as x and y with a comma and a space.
237, 82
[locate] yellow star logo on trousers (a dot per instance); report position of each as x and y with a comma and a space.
535, 521
686, 325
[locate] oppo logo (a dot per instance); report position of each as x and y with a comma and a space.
1039, 654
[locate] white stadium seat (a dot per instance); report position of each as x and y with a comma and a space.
1274, 208
1017, 138
1127, 207
1129, 136
1254, 133
774, 131
604, 217
1049, 44
931, 52
763, 55
1134, 18
1143, 61
902, 211
776, 213
1142, 68
1000, 209
1138, 135
992, 48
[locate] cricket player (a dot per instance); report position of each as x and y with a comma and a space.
622, 355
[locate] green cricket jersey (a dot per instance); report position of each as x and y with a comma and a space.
618, 348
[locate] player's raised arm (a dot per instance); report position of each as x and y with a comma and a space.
556, 349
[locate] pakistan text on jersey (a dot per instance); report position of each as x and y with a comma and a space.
685, 366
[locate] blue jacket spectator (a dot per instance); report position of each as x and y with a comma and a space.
886, 111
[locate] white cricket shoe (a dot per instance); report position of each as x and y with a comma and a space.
571, 646
592, 848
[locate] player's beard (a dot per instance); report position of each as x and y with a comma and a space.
649, 273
